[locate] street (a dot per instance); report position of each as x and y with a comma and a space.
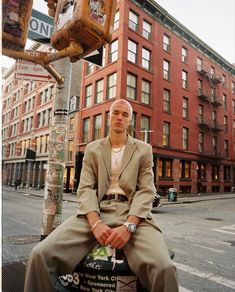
202, 235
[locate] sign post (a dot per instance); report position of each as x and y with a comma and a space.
53, 192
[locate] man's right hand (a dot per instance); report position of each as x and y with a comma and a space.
102, 232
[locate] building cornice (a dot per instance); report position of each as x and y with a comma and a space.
162, 16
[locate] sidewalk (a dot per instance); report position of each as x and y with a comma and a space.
181, 199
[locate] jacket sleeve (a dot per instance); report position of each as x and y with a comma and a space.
87, 190
141, 204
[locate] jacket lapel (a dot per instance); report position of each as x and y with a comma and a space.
128, 152
106, 152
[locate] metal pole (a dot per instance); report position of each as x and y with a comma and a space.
53, 193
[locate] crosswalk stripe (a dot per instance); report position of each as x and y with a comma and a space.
229, 227
223, 231
182, 289
208, 276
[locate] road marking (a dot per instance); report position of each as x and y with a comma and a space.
224, 242
210, 248
208, 276
223, 231
182, 289
229, 227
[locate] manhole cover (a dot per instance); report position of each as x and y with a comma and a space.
22, 239
214, 219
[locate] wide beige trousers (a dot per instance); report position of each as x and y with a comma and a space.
65, 247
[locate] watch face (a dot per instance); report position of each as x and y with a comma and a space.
131, 227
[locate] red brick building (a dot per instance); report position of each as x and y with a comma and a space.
181, 90
182, 93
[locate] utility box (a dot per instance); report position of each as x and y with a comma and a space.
86, 22
15, 23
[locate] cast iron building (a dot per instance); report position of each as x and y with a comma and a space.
182, 93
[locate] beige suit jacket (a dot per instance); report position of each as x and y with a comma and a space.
135, 179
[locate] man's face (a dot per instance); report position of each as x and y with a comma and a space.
120, 118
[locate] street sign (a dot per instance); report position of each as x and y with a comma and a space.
30, 71
40, 27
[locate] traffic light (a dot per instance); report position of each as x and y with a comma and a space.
15, 22
88, 23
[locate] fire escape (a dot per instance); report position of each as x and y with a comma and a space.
211, 98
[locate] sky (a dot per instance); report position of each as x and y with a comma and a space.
213, 21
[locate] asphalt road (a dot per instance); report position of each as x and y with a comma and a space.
202, 235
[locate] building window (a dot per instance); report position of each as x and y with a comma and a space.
225, 124
233, 106
71, 124
200, 87
185, 138
164, 168
106, 130
214, 144
201, 170
144, 128
99, 89
166, 100
146, 56
97, 127
184, 55
88, 95
112, 83
132, 127
199, 64
116, 20
201, 142
227, 173
234, 129
226, 149
89, 68
215, 172
224, 81
133, 20
185, 79
145, 92
147, 29
225, 101
212, 72
166, 69
113, 56
185, 107
131, 86
233, 86
166, 134
70, 150
184, 169
86, 129
132, 51
166, 43
200, 114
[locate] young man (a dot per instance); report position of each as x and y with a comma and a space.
115, 198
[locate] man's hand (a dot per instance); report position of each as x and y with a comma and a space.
102, 233
119, 237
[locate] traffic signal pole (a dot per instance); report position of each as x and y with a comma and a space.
53, 192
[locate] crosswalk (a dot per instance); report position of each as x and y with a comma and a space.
204, 275
228, 229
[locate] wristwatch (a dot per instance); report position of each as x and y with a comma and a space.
131, 227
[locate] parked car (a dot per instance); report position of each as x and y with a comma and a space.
156, 202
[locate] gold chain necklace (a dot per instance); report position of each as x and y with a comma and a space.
117, 151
